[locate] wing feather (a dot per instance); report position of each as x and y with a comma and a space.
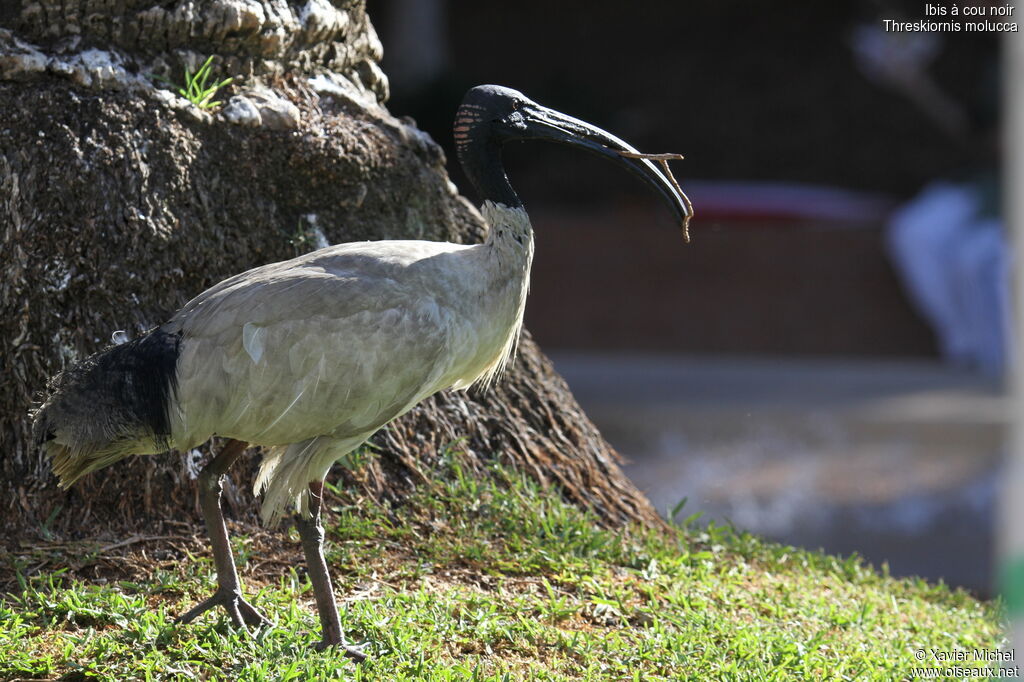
333, 345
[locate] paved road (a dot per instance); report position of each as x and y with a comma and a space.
897, 460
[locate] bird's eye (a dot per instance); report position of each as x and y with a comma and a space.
516, 103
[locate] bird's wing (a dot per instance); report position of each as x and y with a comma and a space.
331, 345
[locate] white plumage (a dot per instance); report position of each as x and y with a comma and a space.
311, 356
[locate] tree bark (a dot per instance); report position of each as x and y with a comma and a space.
119, 201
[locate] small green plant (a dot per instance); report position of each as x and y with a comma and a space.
196, 89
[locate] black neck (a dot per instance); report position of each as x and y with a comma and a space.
481, 160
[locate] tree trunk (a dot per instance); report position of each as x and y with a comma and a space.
120, 200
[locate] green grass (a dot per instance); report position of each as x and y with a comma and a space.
496, 579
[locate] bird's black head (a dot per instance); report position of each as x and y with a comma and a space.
491, 115
486, 111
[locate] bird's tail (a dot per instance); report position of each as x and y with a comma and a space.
287, 471
112, 404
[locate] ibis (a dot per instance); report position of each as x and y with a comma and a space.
310, 356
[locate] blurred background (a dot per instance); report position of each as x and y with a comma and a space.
823, 363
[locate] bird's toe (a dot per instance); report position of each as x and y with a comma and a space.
241, 612
251, 615
352, 651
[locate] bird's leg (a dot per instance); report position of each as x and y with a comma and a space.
312, 533
229, 592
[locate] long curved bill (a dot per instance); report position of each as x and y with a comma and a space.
548, 124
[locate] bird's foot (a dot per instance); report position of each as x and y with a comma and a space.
241, 612
352, 651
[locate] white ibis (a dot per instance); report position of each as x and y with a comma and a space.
310, 356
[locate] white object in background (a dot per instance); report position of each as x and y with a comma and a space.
953, 262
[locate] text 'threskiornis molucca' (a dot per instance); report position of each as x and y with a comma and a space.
309, 357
